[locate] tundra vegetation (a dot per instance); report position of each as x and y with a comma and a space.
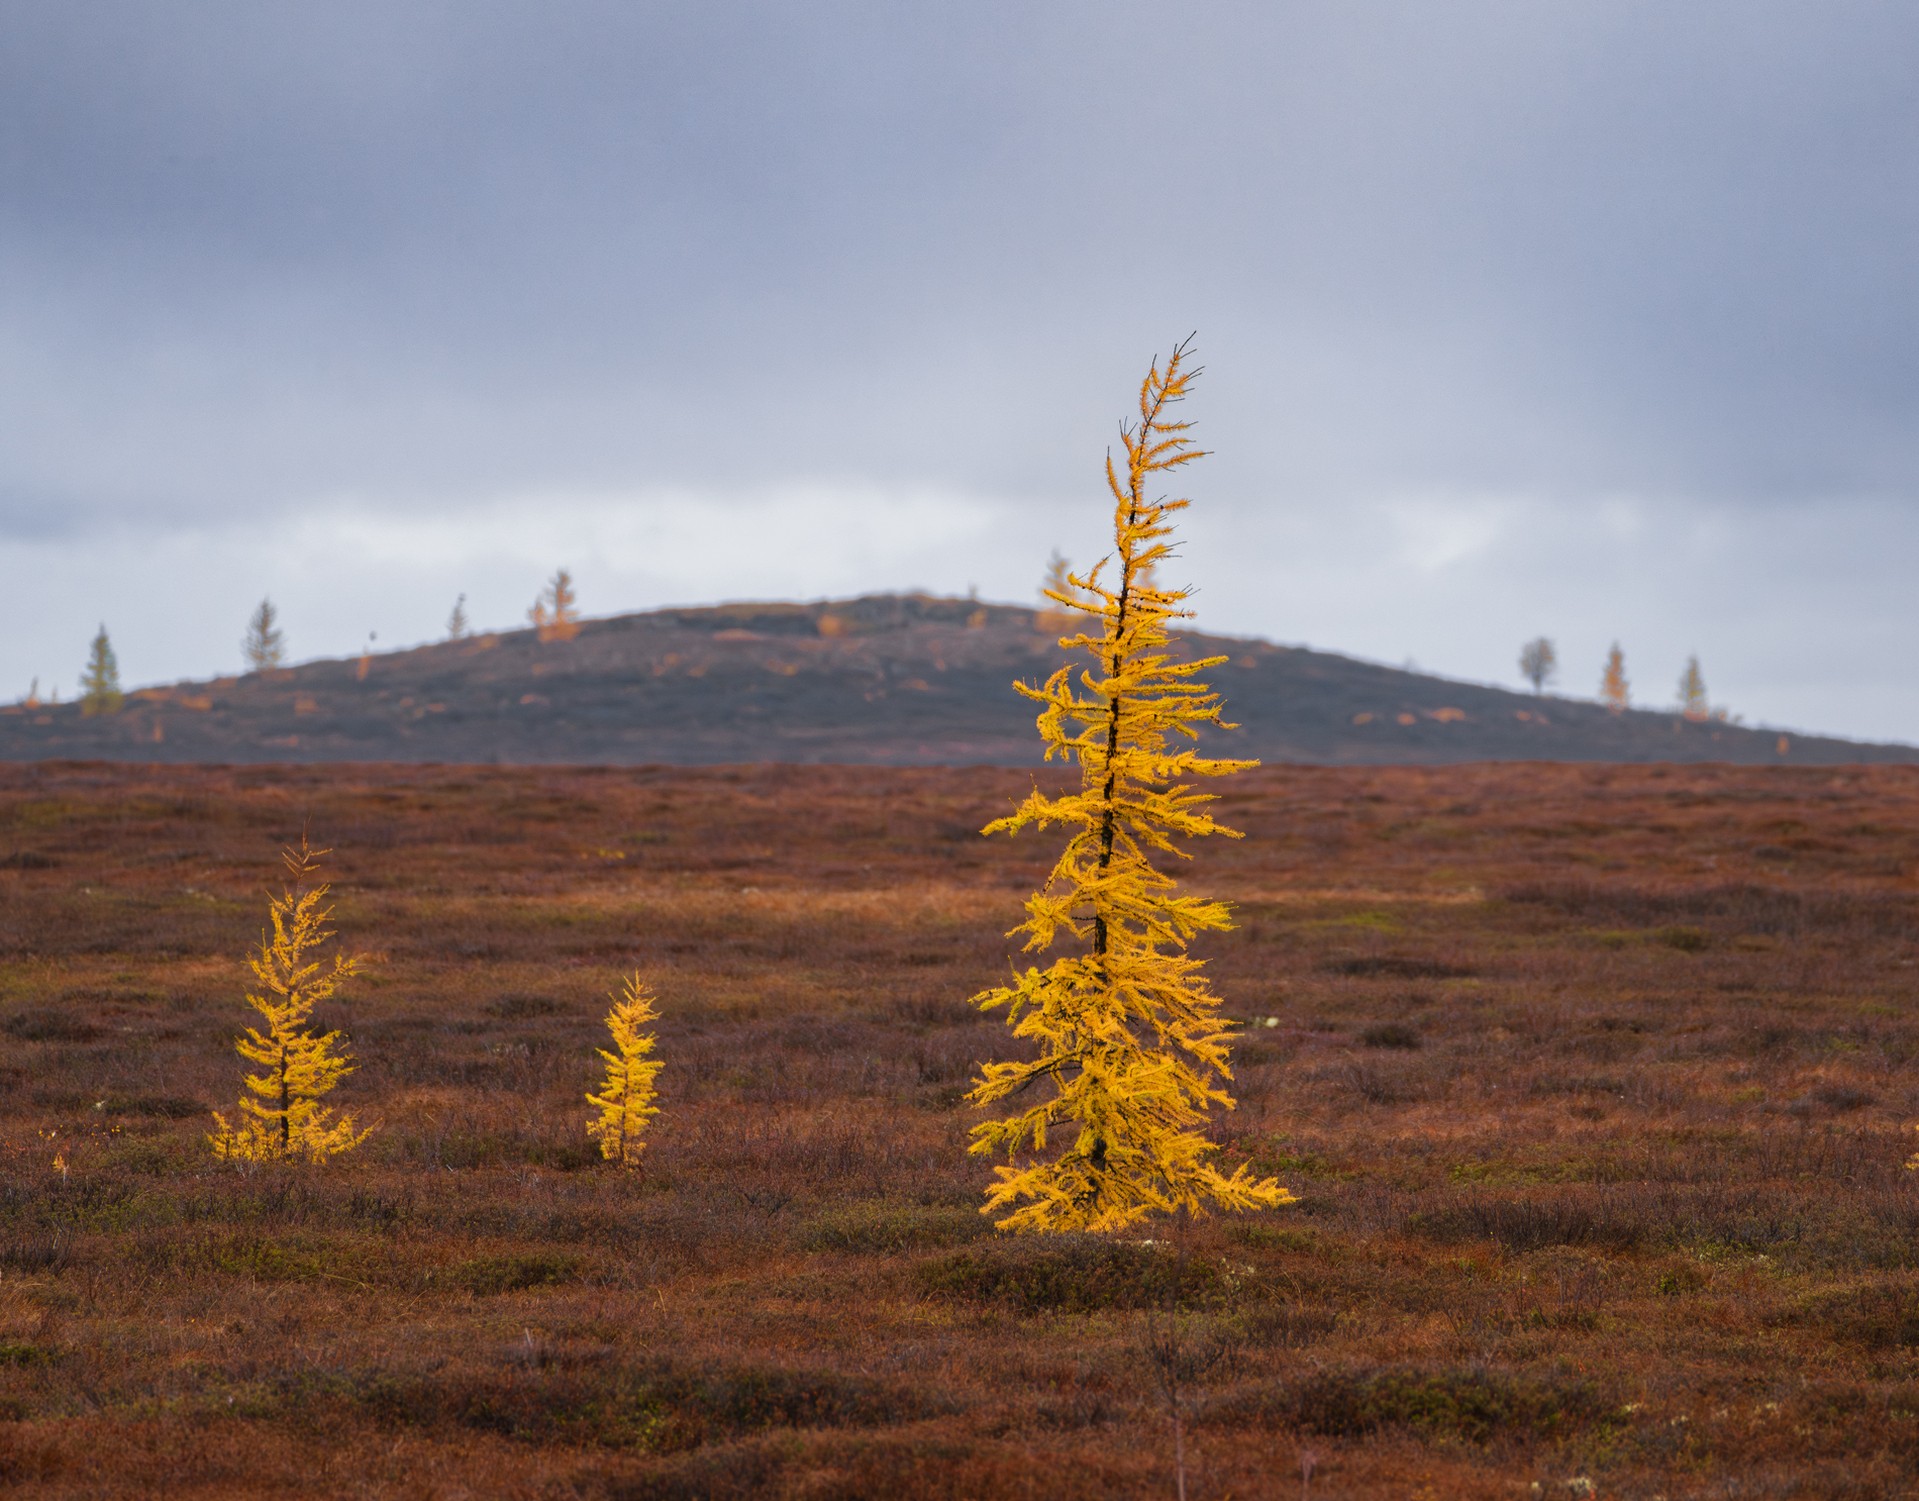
1594, 1083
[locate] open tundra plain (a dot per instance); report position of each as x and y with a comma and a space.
1596, 1084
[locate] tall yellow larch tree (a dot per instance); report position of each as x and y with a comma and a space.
281, 1115
626, 1100
1132, 1052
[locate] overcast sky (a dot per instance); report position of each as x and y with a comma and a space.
1591, 320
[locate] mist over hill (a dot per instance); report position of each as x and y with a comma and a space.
884, 680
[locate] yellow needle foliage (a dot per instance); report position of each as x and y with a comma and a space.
626, 1102
281, 1116
1133, 1052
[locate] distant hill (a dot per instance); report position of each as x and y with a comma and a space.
887, 679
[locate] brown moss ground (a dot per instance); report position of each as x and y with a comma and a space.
1595, 1084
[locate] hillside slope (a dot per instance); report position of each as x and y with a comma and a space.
887, 679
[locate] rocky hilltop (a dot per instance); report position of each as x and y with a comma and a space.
884, 680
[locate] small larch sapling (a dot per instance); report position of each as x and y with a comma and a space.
625, 1102
281, 1115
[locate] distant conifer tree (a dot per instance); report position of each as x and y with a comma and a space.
625, 1103
1131, 1049
265, 644
1054, 618
100, 683
555, 614
33, 695
456, 627
1612, 684
282, 1116
1538, 662
1692, 692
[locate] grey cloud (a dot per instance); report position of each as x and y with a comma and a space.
255, 257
